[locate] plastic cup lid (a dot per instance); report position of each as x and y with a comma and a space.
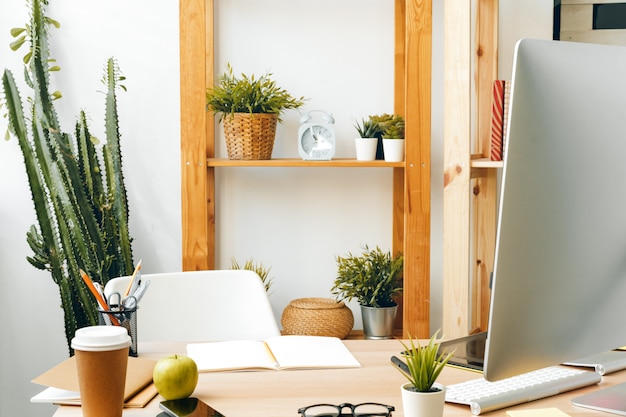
101, 338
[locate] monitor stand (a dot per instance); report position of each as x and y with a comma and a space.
611, 400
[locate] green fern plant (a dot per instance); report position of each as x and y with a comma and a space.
80, 203
261, 270
249, 94
425, 362
373, 278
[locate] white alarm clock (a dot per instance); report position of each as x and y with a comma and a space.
316, 138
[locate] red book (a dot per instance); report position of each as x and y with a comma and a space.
497, 120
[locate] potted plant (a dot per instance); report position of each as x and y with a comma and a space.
393, 139
77, 188
369, 130
422, 395
249, 108
383, 121
261, 270
374, 279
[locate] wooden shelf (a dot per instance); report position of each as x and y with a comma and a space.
486, 163
296, 162
411, 180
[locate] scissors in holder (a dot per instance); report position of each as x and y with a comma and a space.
117, 303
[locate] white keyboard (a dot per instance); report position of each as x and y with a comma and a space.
483, 396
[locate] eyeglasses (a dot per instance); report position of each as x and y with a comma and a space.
357, 410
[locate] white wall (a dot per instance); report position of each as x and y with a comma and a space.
143, 36
296, 220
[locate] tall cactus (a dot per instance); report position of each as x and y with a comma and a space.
81, 209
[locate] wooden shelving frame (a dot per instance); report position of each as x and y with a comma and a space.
411, 179
470, 178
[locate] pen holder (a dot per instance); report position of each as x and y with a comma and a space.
124, 317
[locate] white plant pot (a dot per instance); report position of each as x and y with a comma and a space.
393, 150
423, 404
365, 148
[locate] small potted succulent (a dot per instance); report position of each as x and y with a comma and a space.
422, 395
393, 139
392, 136
249, 108
394, 128
374, 279
369, 131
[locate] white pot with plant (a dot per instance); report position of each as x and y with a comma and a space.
393, 139
422, 396
367, 141
374, 279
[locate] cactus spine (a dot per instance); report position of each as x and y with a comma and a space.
81, 209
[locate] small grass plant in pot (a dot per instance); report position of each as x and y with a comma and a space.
374, 279
422, 395
367, 142
261, 270
249, 108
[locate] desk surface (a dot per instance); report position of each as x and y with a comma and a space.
281, 393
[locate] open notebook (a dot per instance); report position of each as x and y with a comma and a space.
281, 352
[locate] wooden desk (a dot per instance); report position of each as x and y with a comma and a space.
281, 393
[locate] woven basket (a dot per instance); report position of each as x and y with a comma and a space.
317, 317
250, 135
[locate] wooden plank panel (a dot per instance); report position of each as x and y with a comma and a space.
193, 124
210, 134
484, 192
417, 167
399, 108
294, 162
397, 224
457, 132
484, 189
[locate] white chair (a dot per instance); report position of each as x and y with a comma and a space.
196, 306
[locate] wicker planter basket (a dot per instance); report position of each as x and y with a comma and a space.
250, 135
317, 317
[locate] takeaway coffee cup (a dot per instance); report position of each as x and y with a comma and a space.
101, 358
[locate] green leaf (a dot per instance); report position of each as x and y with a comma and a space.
53, 22
15, 32
16, 44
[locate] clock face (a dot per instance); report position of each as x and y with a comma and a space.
318, 142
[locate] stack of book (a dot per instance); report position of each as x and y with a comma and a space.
499, 116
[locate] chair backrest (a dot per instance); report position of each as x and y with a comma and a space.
197, 306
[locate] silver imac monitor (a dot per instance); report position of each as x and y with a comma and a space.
559, 280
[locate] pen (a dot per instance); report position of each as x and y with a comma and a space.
98, 288
133, 278
142, 290
99, 298
136, 284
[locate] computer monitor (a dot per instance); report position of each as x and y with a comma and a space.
559, 280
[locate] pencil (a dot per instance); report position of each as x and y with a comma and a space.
132, 279
99, 299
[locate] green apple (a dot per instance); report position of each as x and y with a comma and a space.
175, 376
